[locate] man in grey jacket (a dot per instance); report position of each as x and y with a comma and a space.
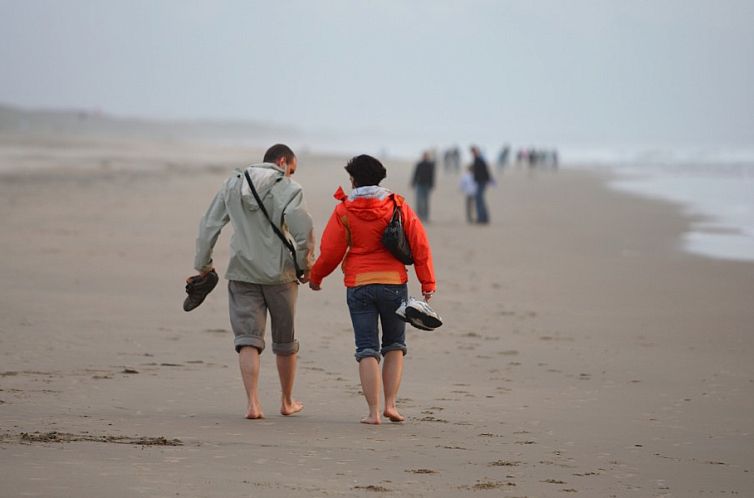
261, 272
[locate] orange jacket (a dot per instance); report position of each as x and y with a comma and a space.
353, 235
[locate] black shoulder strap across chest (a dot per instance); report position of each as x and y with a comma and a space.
278, 232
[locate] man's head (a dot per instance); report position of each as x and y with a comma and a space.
474, 151
283, 157
365, 171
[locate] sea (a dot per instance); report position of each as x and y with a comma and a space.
714, 186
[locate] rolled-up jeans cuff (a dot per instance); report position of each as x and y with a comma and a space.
285, 348
248, 340
395, 347
367, 353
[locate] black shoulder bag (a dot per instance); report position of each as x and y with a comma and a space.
394, 238
283, 238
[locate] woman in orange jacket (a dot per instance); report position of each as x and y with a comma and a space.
375, 279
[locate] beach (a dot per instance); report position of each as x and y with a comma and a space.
583, 352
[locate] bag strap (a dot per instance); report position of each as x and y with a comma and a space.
283, 238
396, 211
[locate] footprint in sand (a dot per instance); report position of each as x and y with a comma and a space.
372, 487
431, 418
485, 485
216, 331
421, 471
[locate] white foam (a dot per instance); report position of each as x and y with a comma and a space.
720, 198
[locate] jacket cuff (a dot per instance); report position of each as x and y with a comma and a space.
205, 268
315, 279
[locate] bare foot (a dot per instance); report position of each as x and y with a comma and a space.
254, 412
393, 415
291, 407
371, 420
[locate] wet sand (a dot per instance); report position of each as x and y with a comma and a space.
583, 354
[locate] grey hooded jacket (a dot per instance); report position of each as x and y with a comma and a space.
257, 255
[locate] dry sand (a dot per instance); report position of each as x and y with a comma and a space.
583, 354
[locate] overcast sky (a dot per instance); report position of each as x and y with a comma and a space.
549, 71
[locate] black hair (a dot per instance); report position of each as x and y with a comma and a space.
276, 152
365, 170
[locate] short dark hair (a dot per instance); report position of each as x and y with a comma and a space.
276, 152
366, 170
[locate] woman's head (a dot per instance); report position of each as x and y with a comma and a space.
365, 171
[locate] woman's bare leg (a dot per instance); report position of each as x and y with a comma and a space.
392, 372
371, 380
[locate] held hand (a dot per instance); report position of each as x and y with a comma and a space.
305, 277
428, 296
314, 287
201, 274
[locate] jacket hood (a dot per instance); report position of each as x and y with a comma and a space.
368, 203
264, 176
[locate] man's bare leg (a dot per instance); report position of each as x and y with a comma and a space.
248, 359
392, 372
369, 372
287, 372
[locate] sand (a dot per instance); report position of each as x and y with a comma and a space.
583, 354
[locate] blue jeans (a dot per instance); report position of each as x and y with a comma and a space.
470, 200
482, 215
369, 304
422, 201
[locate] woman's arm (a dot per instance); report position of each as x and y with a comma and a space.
422, 253
332, 248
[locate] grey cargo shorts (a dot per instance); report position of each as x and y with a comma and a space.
248, 306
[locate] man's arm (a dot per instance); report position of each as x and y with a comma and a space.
210, 226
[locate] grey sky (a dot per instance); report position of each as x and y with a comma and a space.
554, 71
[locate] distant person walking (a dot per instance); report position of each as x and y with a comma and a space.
261, 272
482, 178
423, 182
374, 278
456, 159
502, 158
468, 187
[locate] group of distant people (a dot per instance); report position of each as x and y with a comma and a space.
475, 180
533, 158
452, 160
473, 183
